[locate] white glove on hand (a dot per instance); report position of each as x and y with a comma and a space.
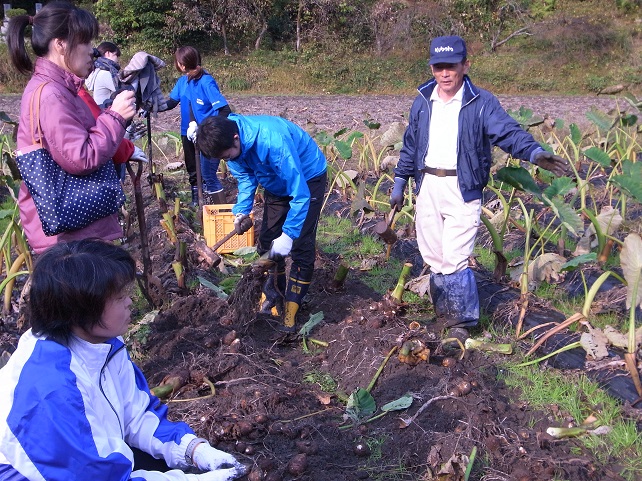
218, 475
191, 131
139, 155
281, 246
242, 223
207, 458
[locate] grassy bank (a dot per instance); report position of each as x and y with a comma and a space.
578, 47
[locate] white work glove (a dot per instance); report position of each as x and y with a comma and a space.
242, 223
281, 246
191, 131
207, 458
139, 155
218, 475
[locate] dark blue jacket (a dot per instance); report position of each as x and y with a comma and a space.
483, 123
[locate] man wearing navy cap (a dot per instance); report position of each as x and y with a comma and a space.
453, 126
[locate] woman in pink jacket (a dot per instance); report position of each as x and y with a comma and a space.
61, 39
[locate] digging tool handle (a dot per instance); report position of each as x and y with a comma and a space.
391, 216
227, 237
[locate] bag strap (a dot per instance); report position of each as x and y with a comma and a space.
38, 92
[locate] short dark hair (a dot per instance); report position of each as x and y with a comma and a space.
71, 283
216, 135
55, 20
110, 47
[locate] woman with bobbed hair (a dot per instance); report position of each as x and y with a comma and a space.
73, 406
61, 36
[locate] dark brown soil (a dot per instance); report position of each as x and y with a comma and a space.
271, 404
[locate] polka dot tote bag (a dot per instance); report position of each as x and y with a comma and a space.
67, 202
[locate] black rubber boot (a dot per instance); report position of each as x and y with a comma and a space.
298, 285
194, 202
217, 197
273, 293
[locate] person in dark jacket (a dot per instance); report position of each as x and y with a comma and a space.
285, 160
453, 126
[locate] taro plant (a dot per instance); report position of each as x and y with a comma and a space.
15, 254
631, 259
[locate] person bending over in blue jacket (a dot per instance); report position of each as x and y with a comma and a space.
73, 406
447, 149
287, 162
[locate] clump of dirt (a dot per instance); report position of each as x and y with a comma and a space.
276, 403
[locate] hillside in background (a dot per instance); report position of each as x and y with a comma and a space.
568, 47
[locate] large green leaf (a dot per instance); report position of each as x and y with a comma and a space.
323, 139
600, 119
573, 263
566, 214
344, 149
315, 319
403, 402
354, 135
220, 293
5, 118
560, 186
631, 260
576, 134
631, 180
519, 178
524, 117
598, 155
361, 405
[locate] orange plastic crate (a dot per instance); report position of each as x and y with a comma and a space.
218, 220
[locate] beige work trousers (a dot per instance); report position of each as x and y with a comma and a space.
446, 225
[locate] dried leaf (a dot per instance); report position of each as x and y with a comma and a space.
546, 267
594, 343
393, 135
419, 285
324, 398
631, 261
389, 161
616, 338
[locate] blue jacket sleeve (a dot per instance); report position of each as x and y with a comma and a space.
406, 166
247, 185
504, 132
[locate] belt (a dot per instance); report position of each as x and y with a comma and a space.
440, 172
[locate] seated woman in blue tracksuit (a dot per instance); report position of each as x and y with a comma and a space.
73, 406
287, 162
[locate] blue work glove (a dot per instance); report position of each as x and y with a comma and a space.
397, 196
551, 162
281, 246
242, 223
192, 130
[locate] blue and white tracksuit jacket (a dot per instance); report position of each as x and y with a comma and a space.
483, 123
72, 412
280, 156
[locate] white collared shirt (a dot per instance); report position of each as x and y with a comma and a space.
444, 126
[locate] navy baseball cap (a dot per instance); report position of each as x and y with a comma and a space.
447, 50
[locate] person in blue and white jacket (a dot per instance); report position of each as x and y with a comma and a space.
287, 162
453, 126
73, 406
